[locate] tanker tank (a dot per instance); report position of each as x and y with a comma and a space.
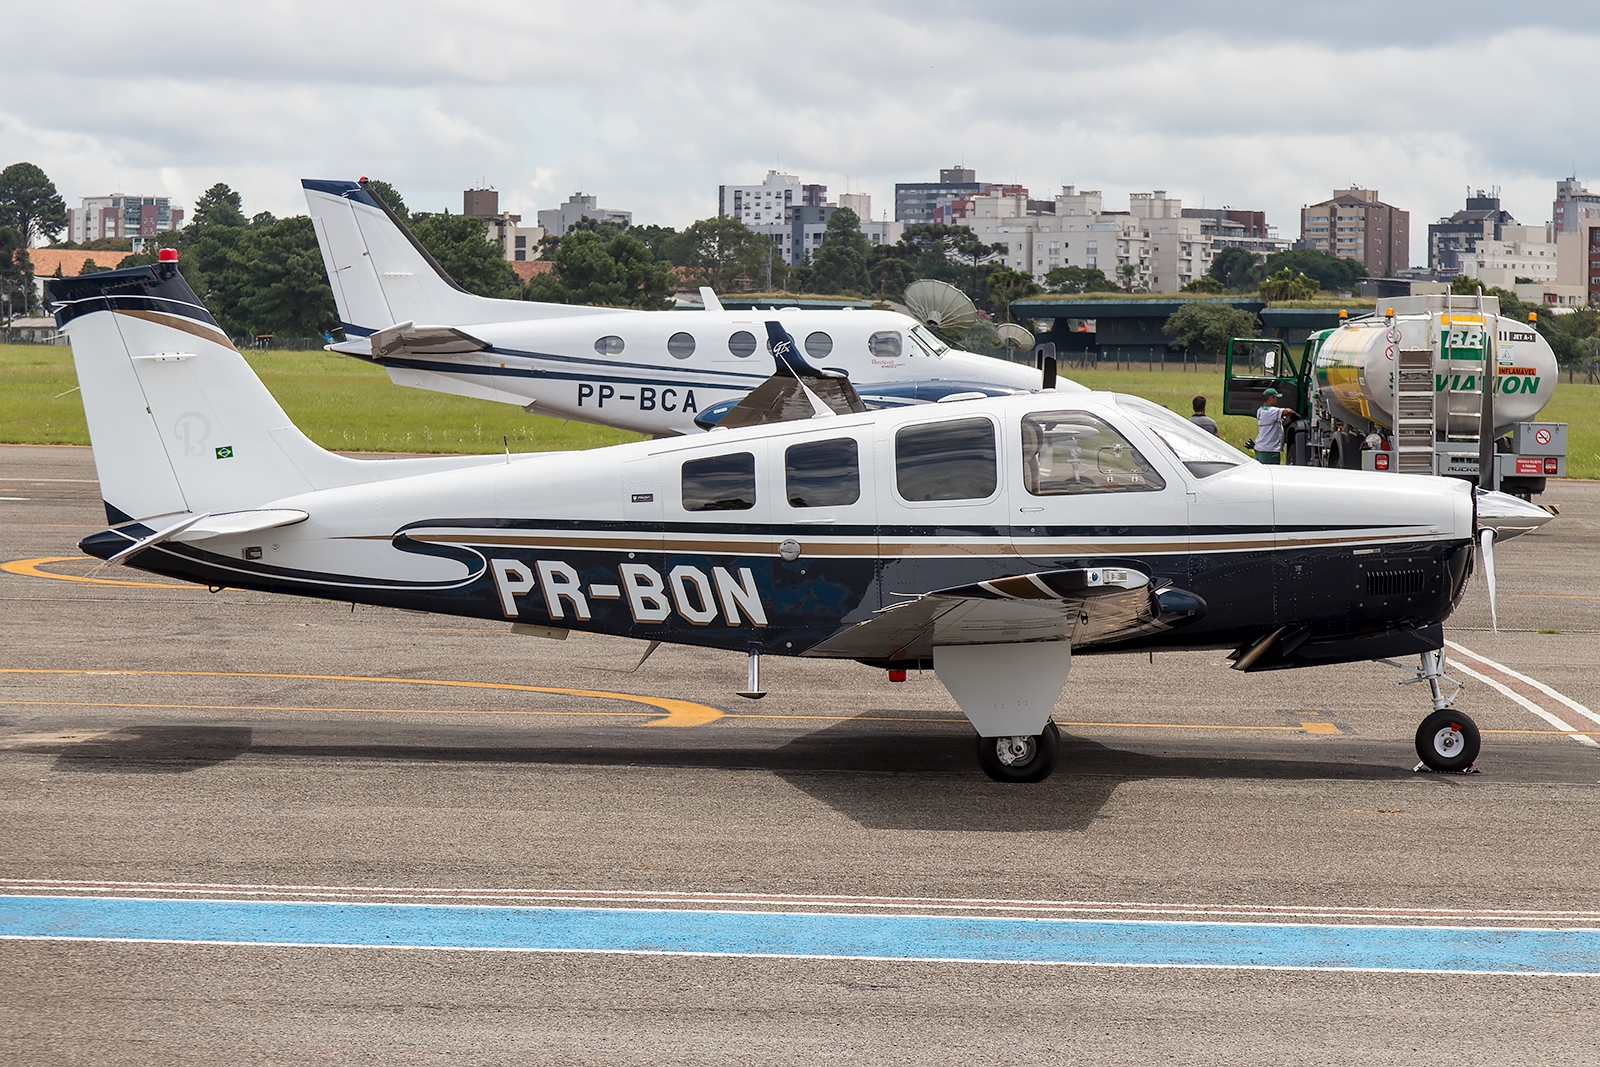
1355, 365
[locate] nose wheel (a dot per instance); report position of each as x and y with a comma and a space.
1447, 741
1022, 758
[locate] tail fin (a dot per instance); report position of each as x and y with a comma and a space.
381, 275
179, 422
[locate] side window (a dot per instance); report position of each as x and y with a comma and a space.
885, 344
680, 345
720, 483
610, 345
742, 343
946, 460
818, 345
822, 473
1068, 452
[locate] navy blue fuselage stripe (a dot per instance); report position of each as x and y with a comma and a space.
1458, 949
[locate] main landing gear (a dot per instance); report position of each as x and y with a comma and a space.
1022, 758
1447, 740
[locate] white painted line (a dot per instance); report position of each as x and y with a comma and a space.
13, 498
1559, 723
1545, 689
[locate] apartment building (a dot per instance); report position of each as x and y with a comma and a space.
121, 217
517, 242
1578, 260
1519, 252
1573, 203
1453, 241
1357, 225
580, 206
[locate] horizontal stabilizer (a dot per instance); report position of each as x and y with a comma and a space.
240, 522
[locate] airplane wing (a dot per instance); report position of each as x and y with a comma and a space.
409, 339
1090, 606
796, 390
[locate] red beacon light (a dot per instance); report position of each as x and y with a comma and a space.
167, 255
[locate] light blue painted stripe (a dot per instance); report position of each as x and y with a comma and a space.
755, 933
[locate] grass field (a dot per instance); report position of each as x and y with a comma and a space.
344, 404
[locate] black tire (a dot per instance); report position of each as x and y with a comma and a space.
1034, 765
1448, 741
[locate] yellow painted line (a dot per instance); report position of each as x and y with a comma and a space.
678, 712
30, 568
1320, 728
1555, 596
291, 707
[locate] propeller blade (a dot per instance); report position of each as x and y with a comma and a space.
1486, 539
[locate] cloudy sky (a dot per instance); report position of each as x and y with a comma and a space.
1250, 104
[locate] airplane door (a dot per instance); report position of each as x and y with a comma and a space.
824, 516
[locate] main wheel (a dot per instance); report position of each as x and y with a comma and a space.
1448, 741
1020, 759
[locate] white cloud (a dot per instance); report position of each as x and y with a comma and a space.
652, 106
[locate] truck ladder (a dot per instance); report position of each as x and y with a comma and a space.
1414, 415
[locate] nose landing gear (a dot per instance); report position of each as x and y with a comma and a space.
1447, 740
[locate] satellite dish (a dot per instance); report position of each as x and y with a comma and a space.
1014, 336
941, 306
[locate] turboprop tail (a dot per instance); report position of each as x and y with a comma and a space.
382, 275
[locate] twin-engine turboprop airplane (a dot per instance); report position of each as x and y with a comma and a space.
989, 539
657, 373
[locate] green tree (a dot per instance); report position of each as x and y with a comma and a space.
282, 284
389, 196
724, 253
840, 262
29, 203
981, 336
1236, 268
1128, 276
1006, 285
460, 244
16, 272
1330, 272
1078, 280
91, 267
1288, 285
654, 238
615, 272
1204, 326
220, 206
1204, 284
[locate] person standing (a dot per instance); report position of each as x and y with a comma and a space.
1200, 418
1270, 419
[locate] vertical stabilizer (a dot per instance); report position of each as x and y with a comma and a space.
178, 420
381, 274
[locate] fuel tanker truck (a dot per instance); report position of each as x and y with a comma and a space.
1402, 390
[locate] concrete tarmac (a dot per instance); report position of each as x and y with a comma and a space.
158, 734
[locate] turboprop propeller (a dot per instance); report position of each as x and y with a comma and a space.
1501, 516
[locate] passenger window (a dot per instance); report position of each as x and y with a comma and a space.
609, 346
1068, 452
818, 345
885, 344
680, 345
822, 474
946, 460
720, 483
742, 343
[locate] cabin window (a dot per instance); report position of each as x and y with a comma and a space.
680, 345
611, 345
1070, 452
818, 345
742, 343
720, 483
885, 344
946, 460
1201, 453
821, 474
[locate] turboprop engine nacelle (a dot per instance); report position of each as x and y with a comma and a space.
1356, 363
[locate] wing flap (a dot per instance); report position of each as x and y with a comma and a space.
409, 339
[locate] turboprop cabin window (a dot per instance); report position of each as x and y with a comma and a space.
818, 345
609, 346
680, 345
1068, 452
946, 460
720, 483
821, 474
742, 343
885, 344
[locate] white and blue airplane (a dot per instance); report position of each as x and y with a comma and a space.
652, 372
990, 539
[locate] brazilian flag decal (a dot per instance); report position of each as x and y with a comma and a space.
225, 452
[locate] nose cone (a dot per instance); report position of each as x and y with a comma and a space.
1508, 516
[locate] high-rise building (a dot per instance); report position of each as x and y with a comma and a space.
1357, 225
558, 220
1453, 240
1573, 204
518, 242
916, 202
121, 217
764, 203
1229, 228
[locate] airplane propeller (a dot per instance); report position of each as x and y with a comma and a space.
1500, 516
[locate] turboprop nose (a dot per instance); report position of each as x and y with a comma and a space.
1508, 516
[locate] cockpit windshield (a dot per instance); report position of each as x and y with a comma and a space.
1203, 453
928, 341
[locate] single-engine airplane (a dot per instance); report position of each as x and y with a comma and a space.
653, 372
990, 539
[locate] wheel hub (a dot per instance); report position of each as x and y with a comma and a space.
1016, 751
1448, 742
